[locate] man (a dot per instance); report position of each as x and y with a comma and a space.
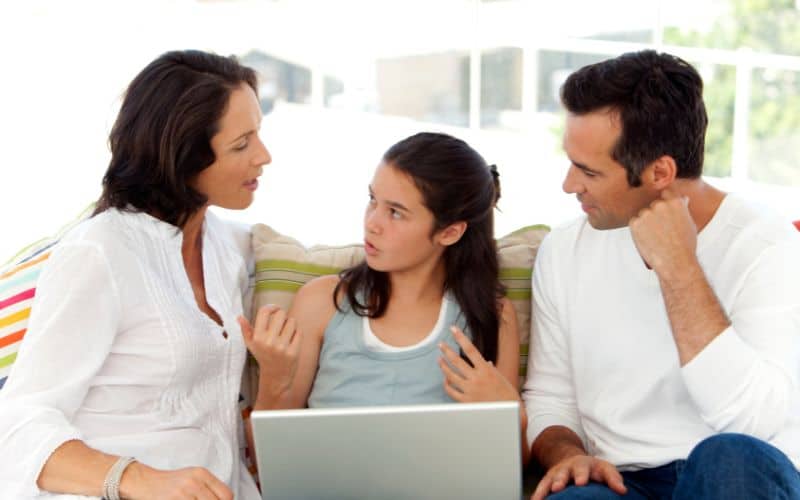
666, 339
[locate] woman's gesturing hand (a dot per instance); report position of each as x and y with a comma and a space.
275, 343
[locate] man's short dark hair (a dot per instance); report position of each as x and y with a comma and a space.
659, 101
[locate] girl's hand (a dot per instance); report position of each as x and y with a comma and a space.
275, 343
480, 382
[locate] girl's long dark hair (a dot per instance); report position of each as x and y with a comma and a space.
456, 185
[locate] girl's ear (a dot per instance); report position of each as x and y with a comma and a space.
451, 234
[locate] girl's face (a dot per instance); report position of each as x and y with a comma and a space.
231, 181
398, 225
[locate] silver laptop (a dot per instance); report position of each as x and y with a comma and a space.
463, 451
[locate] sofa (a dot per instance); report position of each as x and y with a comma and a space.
280, 266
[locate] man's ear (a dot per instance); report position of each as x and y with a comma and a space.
661, 173
451, 234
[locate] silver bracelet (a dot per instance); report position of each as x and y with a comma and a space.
113, 477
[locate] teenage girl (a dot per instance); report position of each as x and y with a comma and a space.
390, 329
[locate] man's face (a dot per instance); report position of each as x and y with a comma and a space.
599, 182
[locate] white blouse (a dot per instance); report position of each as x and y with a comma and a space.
119, 355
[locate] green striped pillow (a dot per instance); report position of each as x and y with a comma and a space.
283, 265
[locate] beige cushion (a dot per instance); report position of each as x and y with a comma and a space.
283, 265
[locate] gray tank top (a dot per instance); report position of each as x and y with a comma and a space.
352, 374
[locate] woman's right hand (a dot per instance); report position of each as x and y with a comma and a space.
142, 482
275, 343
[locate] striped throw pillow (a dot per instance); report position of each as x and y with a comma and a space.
18, 288
283, 265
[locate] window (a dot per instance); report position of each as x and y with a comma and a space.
342, 80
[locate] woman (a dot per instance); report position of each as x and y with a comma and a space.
429, 279
133, 350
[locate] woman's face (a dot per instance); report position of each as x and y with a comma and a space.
397, 224
231, 181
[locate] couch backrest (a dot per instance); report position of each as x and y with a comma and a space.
283, 265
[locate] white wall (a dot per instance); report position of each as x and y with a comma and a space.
65, 64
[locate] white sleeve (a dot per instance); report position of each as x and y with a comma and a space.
548, 391
72, 326
746, 379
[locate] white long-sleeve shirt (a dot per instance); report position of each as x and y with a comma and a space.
119, 355
603, 361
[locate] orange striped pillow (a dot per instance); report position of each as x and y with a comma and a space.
18, 280
17, 289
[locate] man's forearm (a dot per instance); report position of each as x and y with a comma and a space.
555, 444
694, 311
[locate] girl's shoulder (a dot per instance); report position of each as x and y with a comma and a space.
319, 288
313, 306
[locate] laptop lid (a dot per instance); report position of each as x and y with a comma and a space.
464, 451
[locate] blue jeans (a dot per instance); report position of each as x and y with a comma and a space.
722, 467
